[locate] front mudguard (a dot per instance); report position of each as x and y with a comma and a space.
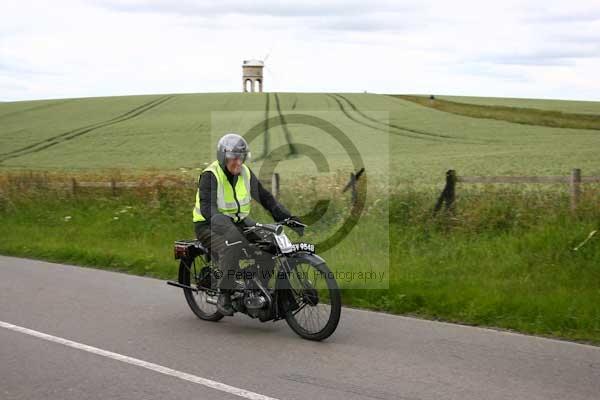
285, 300
293, 259
305, 256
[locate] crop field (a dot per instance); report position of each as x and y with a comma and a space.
395, 138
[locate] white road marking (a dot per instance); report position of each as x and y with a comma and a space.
140, 363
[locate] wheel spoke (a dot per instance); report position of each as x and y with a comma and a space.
197, 298
309, 287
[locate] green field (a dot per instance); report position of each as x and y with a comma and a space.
167, 132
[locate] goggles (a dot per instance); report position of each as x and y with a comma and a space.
231, 155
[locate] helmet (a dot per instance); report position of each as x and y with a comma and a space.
232, 145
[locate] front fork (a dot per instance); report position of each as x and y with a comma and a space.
284, 297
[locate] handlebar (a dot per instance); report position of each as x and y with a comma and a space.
290, 222
275, 228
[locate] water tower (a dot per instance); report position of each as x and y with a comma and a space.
252, 75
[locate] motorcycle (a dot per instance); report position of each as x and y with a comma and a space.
276, 280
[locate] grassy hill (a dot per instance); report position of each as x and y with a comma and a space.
168, 132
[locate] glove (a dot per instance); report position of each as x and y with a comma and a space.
299, 229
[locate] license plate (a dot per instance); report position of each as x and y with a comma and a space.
309, 247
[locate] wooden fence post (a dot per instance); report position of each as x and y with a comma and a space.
275, 185
73, 186
113, 186
155, 190
451, 183
352, 184
575, 188
353, 187
448, 195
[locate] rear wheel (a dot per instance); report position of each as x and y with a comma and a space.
318, 299
190, 275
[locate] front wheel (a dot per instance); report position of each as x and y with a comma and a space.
190, 276
316, 313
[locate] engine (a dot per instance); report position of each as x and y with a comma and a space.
257, 305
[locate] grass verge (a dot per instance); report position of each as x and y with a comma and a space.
503, 259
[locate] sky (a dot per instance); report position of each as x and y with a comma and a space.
88, 48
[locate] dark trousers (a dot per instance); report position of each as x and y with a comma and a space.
216, 236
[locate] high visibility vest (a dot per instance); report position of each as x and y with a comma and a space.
233, 203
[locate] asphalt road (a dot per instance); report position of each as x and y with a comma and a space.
147, 344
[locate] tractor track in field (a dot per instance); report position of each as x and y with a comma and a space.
394, 126
484, 141
266, 135
376, 127
286, 131
403, 128
266, 138
85, 129
74, 133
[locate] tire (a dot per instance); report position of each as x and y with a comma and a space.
314, 283
196, 300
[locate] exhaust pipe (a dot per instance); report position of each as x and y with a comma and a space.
209, 299
181, 285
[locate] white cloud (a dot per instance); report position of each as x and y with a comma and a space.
100, 48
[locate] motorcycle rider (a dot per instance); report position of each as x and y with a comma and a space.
225, 190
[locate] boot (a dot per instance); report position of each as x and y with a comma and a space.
224, 305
